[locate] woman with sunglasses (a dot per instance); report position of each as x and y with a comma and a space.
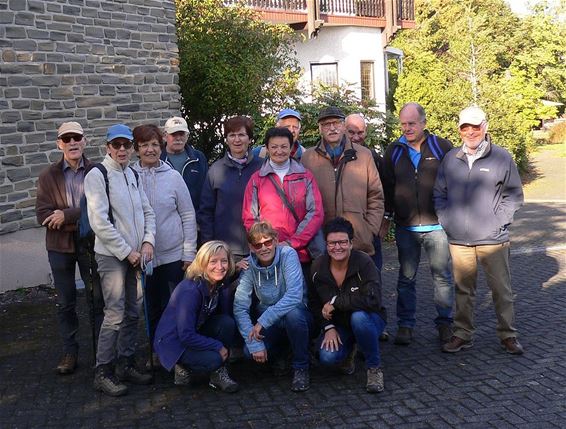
285, 194
195, 333
279, 317
124, 226
346, 301
176, 230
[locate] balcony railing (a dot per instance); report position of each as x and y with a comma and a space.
367, 8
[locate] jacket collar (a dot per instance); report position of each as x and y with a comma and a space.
321, 149
227, 161
191, 154
462, 155
294, 167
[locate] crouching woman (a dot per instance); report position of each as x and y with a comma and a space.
195, 333
346, 300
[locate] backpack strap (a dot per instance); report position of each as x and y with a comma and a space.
104, 172
283, 197
396, 155
435, 147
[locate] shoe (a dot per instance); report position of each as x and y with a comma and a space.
456, 344
301, 380
182, 375
444, 333
220, 379
374, 380
126, 370
384, 336
404, 336
348, 367
106, 382
512, 345
236, 354
67, 364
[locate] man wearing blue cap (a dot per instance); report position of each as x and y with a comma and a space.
124, 225
290, 119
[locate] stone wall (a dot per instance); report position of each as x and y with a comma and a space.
91, 61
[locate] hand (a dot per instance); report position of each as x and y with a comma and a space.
260, 357
54, 220
186, 264
331, 341
242, 265
134, 258
255, 333
147, 251
384, 229
327, 311
223, 353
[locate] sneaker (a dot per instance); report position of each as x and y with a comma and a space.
301, 380
220, 379
404, 336
126, 370
182, 375
456, 344
106, 382
511, 345
348, 367
374, 380
444, 333
67, 364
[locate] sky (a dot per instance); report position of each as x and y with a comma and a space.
518, 6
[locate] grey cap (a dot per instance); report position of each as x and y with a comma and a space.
330, 112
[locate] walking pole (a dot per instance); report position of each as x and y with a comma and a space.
147, 270
91, 265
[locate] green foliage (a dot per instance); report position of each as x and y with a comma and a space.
231, 63
558, 133
479, 52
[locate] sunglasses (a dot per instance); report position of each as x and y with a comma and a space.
266, 243
117, 145
68, 137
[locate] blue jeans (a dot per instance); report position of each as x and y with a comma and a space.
63, 267
435, 244
220, 327
365, 329
293, 329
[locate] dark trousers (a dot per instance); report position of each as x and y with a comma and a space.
63, 267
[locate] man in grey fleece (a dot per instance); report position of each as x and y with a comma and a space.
476, 194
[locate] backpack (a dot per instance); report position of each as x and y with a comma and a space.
84, 230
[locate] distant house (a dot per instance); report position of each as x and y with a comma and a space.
345, 40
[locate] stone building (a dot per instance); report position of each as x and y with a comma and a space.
97, 62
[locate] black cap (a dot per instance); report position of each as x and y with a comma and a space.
331, 112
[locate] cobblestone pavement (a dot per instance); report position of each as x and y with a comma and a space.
477, 388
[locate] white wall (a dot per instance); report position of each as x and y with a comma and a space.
347, 46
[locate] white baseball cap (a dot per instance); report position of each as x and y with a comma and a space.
472, 115
175, 124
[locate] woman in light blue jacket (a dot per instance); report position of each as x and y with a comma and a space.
281, 316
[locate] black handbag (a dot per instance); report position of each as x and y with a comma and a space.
317, 245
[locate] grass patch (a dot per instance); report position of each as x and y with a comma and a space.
558, 149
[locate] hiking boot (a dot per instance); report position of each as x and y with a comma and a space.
67, 364
301, 380
444, 333
404, 336
106, 382
182, 375
220, 379
456, 344
348, 367
126, 370
374, 380
511, 345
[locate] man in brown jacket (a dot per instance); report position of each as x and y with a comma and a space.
59, 191
347, 178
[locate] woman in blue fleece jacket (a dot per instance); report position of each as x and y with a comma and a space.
194, 333
281, 316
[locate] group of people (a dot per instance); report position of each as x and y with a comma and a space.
289, 260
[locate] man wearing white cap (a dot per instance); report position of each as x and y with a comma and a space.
59, 191
476, 194
184, 158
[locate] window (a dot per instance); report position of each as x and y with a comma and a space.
326, 73
366, 80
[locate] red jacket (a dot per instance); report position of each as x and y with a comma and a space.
262, 202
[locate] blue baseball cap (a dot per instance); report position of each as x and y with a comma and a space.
285, 113
120, 130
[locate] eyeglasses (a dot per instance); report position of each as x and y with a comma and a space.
328, 125
266, 243
234, 136
118, 144
339, 243
68, 137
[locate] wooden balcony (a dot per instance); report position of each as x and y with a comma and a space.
371, 13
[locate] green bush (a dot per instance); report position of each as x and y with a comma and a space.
558, 133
